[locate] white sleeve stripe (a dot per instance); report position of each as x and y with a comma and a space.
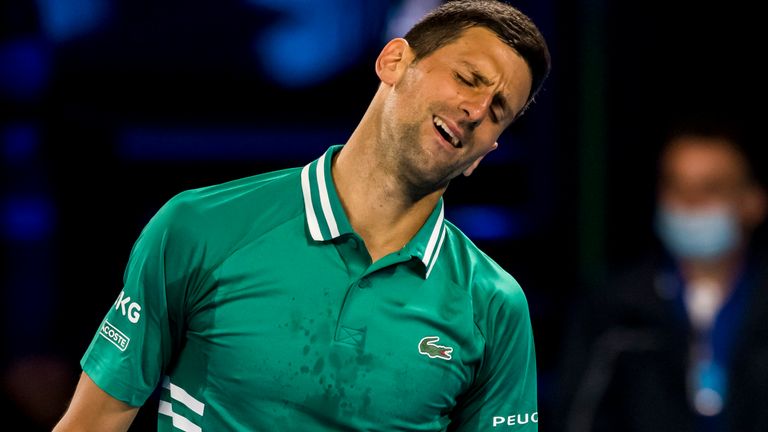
324, 200
314, 228
179, 421
181, 395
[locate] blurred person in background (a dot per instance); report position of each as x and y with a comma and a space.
679, 341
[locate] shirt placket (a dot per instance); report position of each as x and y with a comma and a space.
360, 298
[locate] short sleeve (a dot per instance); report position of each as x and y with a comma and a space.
503, 395
135, 342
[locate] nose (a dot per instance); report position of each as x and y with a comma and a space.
475, 107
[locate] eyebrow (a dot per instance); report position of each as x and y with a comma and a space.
478, 77
476, 74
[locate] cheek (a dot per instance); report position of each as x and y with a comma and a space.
486, 135
481, 148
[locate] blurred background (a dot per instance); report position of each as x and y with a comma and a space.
109, 108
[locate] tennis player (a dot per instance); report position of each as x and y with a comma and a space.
335, 296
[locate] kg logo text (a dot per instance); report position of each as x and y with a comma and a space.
128, 308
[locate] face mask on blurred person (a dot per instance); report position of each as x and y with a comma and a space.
701, 234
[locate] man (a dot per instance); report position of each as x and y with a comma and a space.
335, 296
679, 343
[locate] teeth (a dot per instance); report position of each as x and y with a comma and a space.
443, 126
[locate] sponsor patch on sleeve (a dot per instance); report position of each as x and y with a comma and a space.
112, 334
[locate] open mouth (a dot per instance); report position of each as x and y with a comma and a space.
445, 132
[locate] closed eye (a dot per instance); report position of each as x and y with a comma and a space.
464, 80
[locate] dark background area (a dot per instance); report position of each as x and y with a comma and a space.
108, 109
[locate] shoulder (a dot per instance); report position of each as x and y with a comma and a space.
242, 202
492, 290
637, 287
212, 221
254, 191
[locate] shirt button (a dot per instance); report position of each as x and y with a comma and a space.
364, 283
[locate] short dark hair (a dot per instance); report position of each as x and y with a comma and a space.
447, 22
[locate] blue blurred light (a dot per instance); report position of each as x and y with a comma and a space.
487, 222
24, 68
511, 148
27, 218
65, 19
190, 144
20, 142
311, 42
406, 14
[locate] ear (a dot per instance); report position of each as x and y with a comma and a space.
392, 60
471, 169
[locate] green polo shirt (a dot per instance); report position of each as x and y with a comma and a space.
253, 305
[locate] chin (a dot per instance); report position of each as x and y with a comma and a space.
427, 177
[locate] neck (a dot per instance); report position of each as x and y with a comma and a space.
722, 271
379, 206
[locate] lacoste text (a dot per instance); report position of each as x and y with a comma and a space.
112, 334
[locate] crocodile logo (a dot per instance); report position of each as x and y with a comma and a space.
428, 348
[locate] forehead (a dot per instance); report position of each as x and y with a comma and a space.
705, 157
